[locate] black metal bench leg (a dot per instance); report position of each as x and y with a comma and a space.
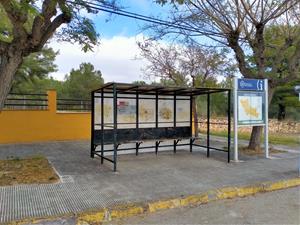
115, 166
102, 154
192, 140
156, 146
115, 162
93, 147
116, 156
175, 144
137, 145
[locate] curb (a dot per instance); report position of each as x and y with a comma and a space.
124, 211
127, 210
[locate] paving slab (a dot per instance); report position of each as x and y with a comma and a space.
86, 184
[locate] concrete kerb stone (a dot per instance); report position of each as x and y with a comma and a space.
133, 209
203, 198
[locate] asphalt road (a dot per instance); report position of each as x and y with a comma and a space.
279, 207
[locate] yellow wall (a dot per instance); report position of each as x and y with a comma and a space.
21, 126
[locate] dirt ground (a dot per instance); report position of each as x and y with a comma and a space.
245, 150
34, 170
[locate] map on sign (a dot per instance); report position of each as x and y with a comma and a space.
250, 108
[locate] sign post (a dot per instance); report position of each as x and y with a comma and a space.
297, 90
250, 108
235, 106
266, 129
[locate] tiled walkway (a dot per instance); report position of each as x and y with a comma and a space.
88, 184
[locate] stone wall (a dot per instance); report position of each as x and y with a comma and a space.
275, 126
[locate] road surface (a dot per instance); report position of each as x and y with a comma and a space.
279, 207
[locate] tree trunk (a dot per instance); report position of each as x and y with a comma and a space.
8, 67
255, 140
281, 111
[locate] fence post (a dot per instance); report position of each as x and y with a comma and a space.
24, 102
51, 100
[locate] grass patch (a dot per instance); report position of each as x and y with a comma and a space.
286, 139
34, 170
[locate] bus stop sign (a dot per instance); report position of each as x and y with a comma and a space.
251, 85
250, 108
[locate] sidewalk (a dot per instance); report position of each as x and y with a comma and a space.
88, 185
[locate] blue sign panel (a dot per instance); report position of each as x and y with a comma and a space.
251, 85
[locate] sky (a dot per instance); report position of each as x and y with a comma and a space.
116, 55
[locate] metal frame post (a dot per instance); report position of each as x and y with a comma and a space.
235, 112
102, 125
208, 124
174, 115
156, 109
229, 123
174, 122
156, 121
191, 123
92, 125
266, 129
115, 102
137, 145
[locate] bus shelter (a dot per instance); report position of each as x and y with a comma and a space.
131, 115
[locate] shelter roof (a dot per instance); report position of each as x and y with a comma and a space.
124, 88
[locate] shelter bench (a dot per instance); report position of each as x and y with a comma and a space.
156, 146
